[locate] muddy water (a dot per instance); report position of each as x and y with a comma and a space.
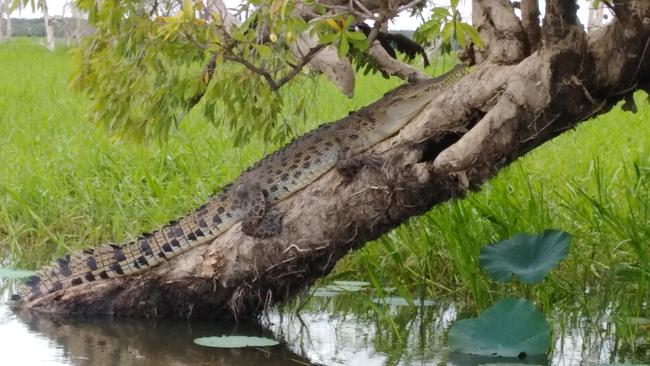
341, 330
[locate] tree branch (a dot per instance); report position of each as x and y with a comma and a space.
561, 18
530, 23
394, 67
504, 38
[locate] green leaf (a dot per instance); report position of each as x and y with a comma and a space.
356, 36
472, 33
344, 46
530, 257
235, 342
460, 34
510, 328
15, 273
447, 32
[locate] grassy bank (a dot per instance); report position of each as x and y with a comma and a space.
65, 184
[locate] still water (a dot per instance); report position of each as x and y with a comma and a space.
332, 330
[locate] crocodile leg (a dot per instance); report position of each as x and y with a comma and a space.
349, 167
258, 220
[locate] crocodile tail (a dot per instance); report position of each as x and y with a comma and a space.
116, 260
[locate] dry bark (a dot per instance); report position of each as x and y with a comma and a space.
506, 107
530, 22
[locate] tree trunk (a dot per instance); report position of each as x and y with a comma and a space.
49, 32
5, 20
510, 104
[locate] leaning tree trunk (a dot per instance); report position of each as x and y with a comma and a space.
512, 102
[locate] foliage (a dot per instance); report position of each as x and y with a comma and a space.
149, 63
446, 28
510, 328
145, 69
529, 257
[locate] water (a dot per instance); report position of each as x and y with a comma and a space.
341, 330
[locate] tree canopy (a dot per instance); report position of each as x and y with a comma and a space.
150, 62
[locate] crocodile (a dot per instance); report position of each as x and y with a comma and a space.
250, 197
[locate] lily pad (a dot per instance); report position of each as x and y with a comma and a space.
14, 273
352, 283
342, 287
528, 256
325, 293
235, 342
400, 301
510, 328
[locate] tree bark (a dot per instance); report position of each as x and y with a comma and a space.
500, 111
501, 31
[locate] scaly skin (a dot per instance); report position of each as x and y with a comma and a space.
249, 197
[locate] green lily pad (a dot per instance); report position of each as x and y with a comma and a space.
342, 288
510, 328
325, 293
14, 273
235, 342
400, 301
528, 256
352, 283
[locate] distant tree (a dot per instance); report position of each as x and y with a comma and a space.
5, 20
47, 21
72, 28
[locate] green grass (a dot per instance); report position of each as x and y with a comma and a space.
65, 184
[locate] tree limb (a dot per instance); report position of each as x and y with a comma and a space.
394, 67
530, 23
561, 18
504, 38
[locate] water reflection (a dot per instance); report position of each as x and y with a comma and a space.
36, 340
348, 329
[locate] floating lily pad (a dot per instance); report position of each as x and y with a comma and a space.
400, 301
235, 342
13, 273
510, 328
530, 257
325, 293
352, 283
342, 287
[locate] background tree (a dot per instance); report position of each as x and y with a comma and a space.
5, 20
150, 62
47, 21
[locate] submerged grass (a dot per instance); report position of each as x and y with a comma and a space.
65, 185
